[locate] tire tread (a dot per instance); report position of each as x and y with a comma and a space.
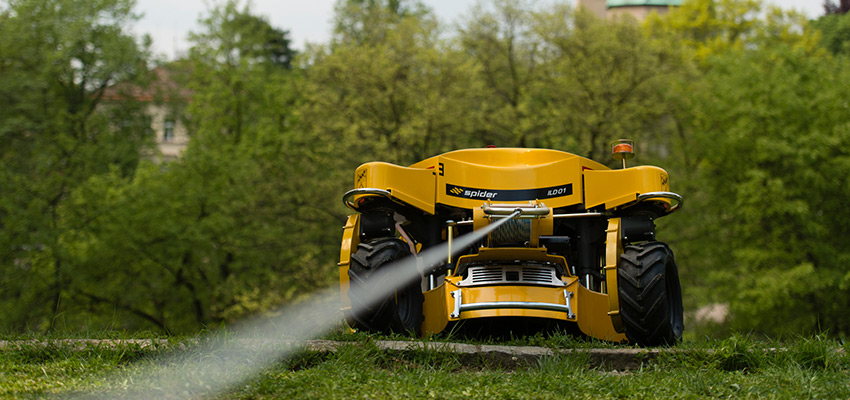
651, 316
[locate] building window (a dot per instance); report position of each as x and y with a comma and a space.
168, 131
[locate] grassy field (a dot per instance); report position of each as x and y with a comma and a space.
737, 367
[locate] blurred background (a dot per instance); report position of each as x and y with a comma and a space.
187, 183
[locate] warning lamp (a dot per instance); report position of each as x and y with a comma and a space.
622, 150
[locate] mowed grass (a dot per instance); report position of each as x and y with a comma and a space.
737, 367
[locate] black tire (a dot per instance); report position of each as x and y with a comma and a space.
399, 312
650, 295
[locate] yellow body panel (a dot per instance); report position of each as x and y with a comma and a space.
614, 188
436, 310
593, 319
466, 178
590, 308
469, 177
613, 250
350, 240
414, 186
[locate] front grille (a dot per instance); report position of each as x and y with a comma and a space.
537, 274
513, 274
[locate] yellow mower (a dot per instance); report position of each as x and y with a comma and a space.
579, 247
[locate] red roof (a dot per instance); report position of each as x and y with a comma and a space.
162, 87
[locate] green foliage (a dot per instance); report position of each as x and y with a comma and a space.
207, 238
602, 80
57, 129
401, 99
503, 45
190, 244
770, 146
744, 105
708, 27
758, 142
835, 32
233, 36
360, 22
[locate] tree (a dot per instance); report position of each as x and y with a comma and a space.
835, 32
219, 233
266, 246
601, 80
57, 59
229, 60
194, 245
233, 36
756, 133
504, 47
842, 7
706, 27
400, 97
565, 79
358, 22
772, 134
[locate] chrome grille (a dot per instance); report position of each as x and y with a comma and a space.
519, 274
537, 274
486, 274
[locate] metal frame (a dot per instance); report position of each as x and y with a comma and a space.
346, 198
522, 270
664, 195
581, 215
506, 210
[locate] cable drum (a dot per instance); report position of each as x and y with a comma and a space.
512, 232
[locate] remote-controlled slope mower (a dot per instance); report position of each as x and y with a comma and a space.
579, 248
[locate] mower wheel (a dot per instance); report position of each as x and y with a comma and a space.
650, 294
399, 312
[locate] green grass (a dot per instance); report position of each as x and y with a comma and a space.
32, 371
736, 367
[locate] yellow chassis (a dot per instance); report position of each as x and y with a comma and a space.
493, 172
594, 312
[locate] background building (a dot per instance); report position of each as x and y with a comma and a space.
637, 8
165, 100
